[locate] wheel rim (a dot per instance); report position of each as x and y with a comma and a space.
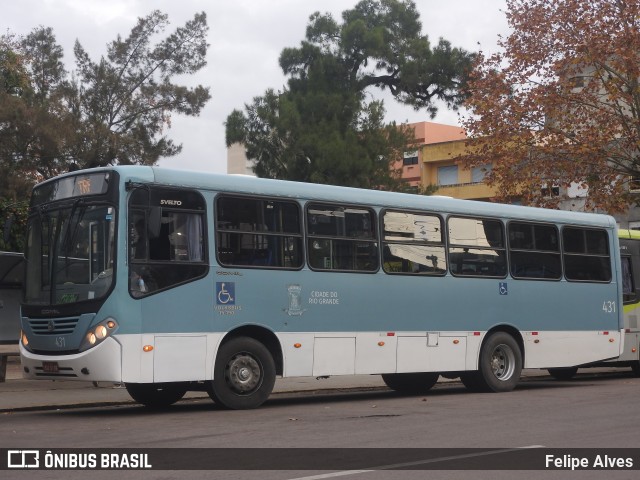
503, 362
243, 373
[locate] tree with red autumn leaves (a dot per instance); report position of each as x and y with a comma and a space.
560, 103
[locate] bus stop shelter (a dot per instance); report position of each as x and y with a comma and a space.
11, 280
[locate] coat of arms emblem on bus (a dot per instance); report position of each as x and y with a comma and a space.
295, 305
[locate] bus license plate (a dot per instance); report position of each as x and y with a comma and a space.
50, 367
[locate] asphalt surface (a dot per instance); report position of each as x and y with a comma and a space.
18, 394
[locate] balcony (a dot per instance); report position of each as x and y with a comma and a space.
475, 190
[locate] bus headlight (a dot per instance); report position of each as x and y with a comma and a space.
24, 340
99, 333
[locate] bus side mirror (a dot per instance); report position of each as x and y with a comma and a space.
155, 222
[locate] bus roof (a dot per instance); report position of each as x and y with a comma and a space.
330, 193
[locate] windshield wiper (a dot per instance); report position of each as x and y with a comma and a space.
69, 236
68, 240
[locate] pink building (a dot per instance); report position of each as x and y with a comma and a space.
425, 133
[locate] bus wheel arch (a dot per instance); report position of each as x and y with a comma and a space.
262, 335
245, 368
500, 361
511, 330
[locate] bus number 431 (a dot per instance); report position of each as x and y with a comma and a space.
609, 307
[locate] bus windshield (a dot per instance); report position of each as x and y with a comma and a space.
70, 253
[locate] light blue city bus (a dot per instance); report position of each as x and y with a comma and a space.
170, 281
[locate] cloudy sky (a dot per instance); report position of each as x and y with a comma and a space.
246, 38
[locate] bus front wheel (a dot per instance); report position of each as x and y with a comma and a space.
412, 383
499, 366
156, 395
244, 374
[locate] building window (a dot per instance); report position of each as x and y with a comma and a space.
478, 174
548, 191
448, 175
634, 225
410, 158
577, 82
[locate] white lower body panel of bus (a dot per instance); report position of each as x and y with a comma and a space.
191, 357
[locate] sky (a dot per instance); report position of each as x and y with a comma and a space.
245, 41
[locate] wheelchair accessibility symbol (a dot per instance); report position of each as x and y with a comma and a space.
504, 290
225, 293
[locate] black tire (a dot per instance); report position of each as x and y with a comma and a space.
156, 395
244, 374
566, 373
499, 366
473, 381
411, 383
635, 368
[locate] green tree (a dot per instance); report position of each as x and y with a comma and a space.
29, 123
321, 127
113, 111
45, 129
122, 104
13, 224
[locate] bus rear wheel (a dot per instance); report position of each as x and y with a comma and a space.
411, 383
500, 365
244, 374
156, 395
566, 373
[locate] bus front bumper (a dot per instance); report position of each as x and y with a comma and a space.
98, 364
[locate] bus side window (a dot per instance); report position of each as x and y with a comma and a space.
534, 251
413, 244
628, 287
477, 247
160, 246
138, 235
586, 255
166, 243
342, 238
258, 232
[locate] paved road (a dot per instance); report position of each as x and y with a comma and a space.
592, 411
